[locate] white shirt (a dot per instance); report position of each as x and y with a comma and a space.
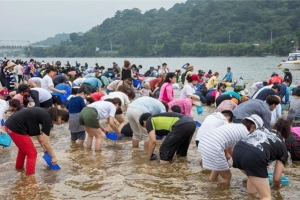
122, 96
44, 95
19, 69
47, 82
187, 90
3, 108
78, 81
105, 109
36, 80
212, 121
276, 113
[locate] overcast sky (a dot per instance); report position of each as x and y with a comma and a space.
37, 20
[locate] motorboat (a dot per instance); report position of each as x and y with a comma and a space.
292, 62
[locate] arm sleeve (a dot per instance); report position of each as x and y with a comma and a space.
46, 125
82, 104
149, 125
170, 93
112, 111
267, 120
287, 95
230, 76
35, 96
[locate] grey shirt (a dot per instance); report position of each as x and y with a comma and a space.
254, 106
294, 110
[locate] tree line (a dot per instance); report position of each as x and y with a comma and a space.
195, 28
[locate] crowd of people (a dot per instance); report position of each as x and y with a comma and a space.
246, 128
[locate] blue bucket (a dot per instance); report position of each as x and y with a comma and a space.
136, 82
48, 159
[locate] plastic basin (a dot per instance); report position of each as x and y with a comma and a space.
284, 180
47, 158
113, 136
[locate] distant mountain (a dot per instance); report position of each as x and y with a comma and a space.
56, 40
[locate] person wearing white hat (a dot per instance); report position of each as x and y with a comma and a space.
215, 146
253, 153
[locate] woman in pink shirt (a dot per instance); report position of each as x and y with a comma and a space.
166, 91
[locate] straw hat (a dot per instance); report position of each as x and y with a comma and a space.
190, 67
146, 86
9, 65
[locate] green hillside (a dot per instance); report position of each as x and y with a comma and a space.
56, 40
194, 28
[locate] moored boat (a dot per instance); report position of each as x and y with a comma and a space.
292, 62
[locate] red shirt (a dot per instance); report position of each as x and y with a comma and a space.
275, 79
155, 81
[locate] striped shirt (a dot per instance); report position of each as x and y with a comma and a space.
222, 137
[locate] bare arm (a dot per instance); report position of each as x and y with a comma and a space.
44, 141
277, 173
56, 90
152, 144
113, 126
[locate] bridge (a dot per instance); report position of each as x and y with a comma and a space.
16, 45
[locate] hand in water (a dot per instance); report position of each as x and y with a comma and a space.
54, 161
153, 157
119, 136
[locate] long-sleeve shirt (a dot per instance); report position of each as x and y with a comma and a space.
284, 92
166, 93
228, 76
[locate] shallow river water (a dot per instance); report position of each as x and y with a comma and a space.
120, 172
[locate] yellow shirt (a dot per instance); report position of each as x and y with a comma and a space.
211, 82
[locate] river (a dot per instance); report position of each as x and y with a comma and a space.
120, 172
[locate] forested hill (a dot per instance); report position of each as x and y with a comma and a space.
194, 28
57, 39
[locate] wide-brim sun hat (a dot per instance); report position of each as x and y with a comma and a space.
256, 120
9, 65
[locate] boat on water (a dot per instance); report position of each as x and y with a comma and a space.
292, 62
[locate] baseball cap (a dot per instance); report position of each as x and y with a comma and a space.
256, 120
195, 77
4, 92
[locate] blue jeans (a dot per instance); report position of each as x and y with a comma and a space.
108, 91
202, 98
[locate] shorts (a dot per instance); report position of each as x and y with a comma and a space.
78, 135
250, 159
47, 104
177, 141
56, 100
126, 130
89, 117
89, 87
